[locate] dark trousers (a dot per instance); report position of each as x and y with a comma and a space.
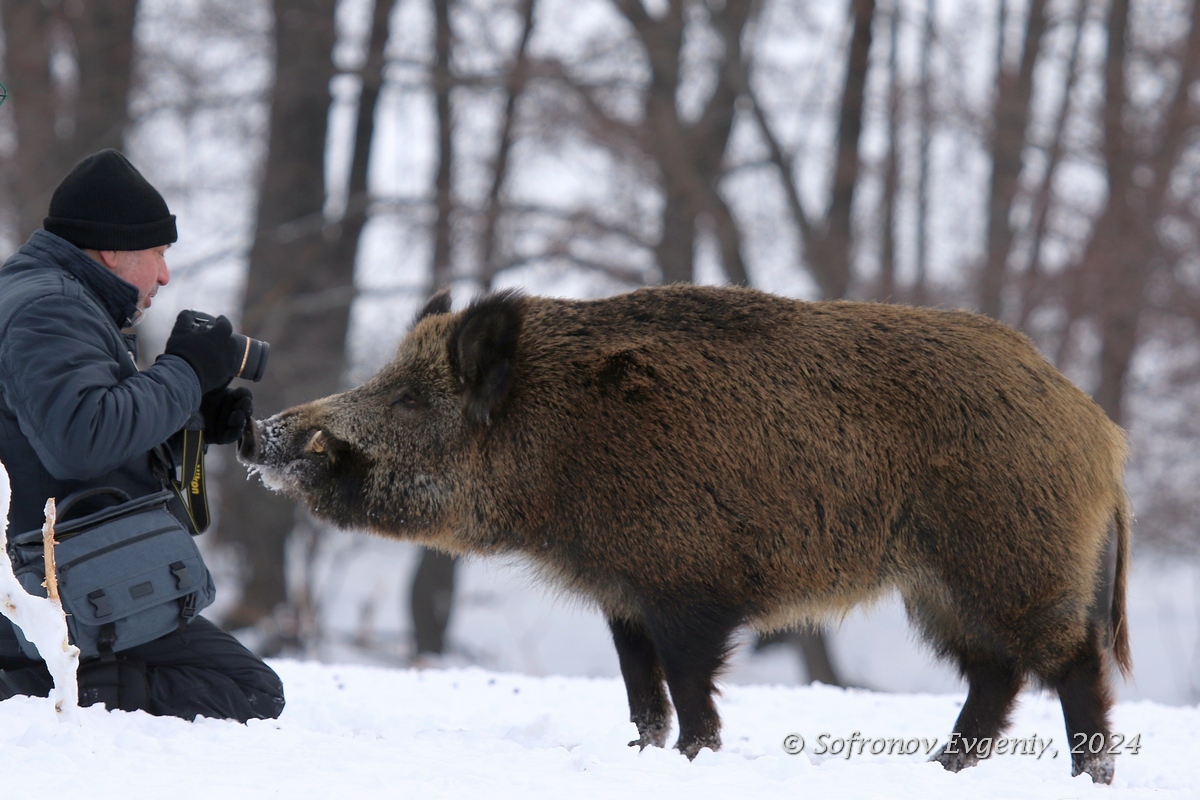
199, 671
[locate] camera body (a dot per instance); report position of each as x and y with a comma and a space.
254, 352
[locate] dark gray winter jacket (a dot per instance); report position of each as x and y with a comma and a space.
75, 412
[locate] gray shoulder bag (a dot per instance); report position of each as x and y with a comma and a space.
127, 574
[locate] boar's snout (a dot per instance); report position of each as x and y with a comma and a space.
296, 454
274, 442
291, 450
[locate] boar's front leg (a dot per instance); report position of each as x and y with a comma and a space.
691, 633
644, 682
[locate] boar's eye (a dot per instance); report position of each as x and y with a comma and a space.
407, 399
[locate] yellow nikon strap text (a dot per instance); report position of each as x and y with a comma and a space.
193, 479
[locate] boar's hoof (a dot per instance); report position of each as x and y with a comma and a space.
693, 747
956, 761
651, 733
1101, 766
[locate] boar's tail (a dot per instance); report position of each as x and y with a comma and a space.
1119, 625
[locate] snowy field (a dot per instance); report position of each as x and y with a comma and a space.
359, 732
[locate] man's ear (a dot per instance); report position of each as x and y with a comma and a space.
484, 349
106, 257
438, 304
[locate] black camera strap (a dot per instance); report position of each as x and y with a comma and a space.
189, 486
192, 485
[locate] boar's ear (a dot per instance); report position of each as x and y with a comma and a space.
438, 304
483, 350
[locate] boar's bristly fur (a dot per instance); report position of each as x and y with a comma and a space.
694, 459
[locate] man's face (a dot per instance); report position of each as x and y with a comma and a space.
145, 269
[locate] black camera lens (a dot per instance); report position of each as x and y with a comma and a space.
254, 357
252, 352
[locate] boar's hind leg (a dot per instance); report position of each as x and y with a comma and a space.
644, 682
994, 682
1082, 687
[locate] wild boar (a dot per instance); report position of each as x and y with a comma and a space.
694, 459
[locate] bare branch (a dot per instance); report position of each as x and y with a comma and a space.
554, 70
778, 157
1054, 151
1013, 103
626, 275
518, 76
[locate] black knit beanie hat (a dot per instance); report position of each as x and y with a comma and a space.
104, 203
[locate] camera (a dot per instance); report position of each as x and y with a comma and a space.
253, 351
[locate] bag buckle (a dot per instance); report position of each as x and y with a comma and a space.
183, 577
106, 639
100, 602
187, 610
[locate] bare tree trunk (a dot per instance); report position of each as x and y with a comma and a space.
1125, 247
830, 260
834, 245
729, 238
662, 38
518, 77
1010, 119
812, 648
297, 298
713, 130
689, 157
891, 170
35, 170
343, 238
1112, 229
103, 34
302, 622
58, 125
443, 185
431, 598
432, 601
344, 247
1031, 279
827, 241
816, 658
432, 592
923, 160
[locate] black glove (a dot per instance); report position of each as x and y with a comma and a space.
210, 350
226, 413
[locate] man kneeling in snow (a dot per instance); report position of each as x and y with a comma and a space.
75, 413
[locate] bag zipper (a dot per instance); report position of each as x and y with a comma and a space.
115, 546
106, 515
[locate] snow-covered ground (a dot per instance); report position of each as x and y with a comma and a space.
363, 732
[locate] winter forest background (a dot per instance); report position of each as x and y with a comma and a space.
333, 162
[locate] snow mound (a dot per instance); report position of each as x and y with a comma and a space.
365, 732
